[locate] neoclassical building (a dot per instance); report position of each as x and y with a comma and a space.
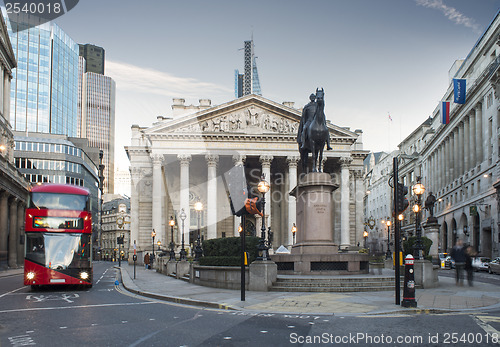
181, 160
459, 162
13, 186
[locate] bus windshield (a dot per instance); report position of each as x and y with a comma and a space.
58, 251
58, 201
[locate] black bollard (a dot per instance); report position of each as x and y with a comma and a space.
409, 285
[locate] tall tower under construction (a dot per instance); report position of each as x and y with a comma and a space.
248, 82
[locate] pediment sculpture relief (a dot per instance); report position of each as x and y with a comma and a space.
250, 120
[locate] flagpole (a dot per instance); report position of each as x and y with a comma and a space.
389, 131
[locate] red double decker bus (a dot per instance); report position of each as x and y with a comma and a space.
58, 236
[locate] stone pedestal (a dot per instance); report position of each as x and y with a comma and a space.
262, 275
183, 268
425, 274
315, 253
431, 231
171, 267
314, 215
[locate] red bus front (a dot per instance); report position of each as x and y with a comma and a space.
58, 236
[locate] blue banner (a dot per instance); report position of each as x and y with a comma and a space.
459, 90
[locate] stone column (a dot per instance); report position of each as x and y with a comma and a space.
345, 162
447, 154
184, 160
292, 201
3, 72
460, 133
21, 211
135, 178
456, 157
6, 95
479, 134
13, 235
466, 144
239, 159
266, 160
359, 198
212, 160
4, 222
157, 208
488, 142
473, 140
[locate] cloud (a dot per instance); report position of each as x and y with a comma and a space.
451, 13
153, 82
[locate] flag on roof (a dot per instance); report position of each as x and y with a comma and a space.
445, 112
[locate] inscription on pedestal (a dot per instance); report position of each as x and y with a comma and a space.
320, 208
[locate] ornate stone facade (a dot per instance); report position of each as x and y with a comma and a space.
197, 149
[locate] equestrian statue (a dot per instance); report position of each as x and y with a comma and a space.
313, 133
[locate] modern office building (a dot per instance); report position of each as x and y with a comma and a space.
13, 186
122, 181
96, 102
248, 82
44, 85
94, 58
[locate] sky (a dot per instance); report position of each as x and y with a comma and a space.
374, 58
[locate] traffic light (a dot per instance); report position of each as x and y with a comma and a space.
402, 202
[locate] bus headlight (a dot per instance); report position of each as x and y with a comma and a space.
30, 275
84, 275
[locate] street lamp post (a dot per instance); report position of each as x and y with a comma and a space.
172, 245
263, 187
294, 230
365, 236
388, 253
159, 244
153, 234
183, 250
198, 251
418, 189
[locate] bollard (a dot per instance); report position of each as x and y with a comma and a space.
409, 285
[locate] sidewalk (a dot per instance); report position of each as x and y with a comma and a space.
446, 298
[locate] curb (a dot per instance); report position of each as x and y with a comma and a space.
175, 299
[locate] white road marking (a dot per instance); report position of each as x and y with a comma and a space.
12, 291
79, 306
481, 321
21, 340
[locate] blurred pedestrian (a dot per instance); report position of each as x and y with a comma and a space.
146, 261
470, 253
458, 254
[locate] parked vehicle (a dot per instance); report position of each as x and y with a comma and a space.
480, 263
449, 263
494, 266
442, 259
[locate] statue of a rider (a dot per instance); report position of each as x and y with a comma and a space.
306, 119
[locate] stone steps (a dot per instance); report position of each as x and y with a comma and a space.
343, 284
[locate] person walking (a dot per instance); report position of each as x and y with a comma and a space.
458, 254
470, 253
146, 261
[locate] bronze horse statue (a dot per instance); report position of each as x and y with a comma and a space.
313, 133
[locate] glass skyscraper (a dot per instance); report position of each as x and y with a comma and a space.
96, 120
45, 83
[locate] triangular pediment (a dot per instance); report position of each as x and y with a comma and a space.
250, 115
